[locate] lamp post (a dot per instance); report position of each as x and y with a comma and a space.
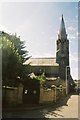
67, 67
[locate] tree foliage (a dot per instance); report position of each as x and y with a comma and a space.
13, 57
19, 45
41, 78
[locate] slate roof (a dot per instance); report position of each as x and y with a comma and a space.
42, 61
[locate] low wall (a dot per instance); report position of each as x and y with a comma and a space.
9, 96
51, 95
47, 95
12, 96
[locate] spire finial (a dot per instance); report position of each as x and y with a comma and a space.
62, 17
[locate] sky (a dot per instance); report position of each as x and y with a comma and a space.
38, 24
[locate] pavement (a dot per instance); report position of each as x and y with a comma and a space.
65, 108
69, 110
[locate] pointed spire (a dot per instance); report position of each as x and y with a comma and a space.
62, 27
62, 31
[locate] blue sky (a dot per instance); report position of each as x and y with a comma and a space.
38, 24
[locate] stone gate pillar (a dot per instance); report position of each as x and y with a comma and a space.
20, 94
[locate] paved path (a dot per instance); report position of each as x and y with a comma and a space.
68, 108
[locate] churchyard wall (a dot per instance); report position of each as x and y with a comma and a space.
52, 95
14, 96
11, 96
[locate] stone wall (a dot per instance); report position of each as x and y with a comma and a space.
51, 95
47, 95
12, 96
9, 96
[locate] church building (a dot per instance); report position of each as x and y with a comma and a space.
54, 67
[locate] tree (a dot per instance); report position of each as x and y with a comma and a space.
11, 61
13, 57
19, 45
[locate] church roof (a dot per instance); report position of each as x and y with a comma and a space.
42, 62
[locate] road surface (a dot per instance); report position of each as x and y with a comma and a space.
68, 108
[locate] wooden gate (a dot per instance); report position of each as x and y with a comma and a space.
31, 91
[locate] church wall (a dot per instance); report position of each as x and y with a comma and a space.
48, 70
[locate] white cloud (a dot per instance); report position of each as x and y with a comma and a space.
60, 18
49, 55
76, 7
71, 37
76, 16
5, 29
73, 33
52, 38
57, 32
74, 65
71, 28
75, 57
74, 73
42, 32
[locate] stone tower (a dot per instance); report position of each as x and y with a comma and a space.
62, 53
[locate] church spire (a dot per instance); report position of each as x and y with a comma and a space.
62, 53
62, 31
